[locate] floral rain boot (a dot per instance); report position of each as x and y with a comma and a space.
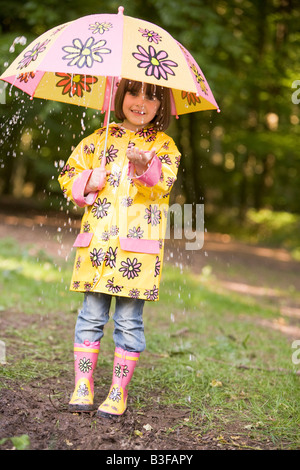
85, 356
116, 401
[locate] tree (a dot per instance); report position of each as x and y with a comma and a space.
246, 156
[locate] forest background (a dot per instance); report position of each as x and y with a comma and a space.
242, 164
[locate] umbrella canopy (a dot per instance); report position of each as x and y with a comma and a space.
80, 62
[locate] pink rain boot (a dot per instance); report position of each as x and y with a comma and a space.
116, 401
85, 356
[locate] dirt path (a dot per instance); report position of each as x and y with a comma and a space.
269, 275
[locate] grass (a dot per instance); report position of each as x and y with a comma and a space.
221, 367
265, 227
206, 350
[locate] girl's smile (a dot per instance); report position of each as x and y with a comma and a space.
139, 109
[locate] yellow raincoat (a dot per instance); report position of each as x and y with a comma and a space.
121, 241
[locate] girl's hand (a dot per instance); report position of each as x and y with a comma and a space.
140, 159
97, 180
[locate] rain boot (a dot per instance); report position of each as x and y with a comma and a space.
116, 401
85, 356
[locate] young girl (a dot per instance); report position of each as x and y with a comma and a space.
121, 241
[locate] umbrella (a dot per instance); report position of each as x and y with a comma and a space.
80, 62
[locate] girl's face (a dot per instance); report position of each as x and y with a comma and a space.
139, 109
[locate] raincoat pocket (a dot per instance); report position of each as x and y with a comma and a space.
140, 245
83, 240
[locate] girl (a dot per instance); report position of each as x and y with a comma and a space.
121, 241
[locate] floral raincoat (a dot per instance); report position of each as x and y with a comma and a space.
121, 242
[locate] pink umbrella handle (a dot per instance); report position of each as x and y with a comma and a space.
107, 116
103, 160
102, 181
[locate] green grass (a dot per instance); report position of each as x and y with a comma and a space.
206, 349
265, 227
33, 282
224, 366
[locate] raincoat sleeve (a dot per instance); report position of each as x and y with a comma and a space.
76, 173
157, 181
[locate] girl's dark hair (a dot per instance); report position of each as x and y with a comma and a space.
162, 119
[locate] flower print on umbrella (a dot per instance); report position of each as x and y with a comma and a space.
110, 257
32, 55
25, 77
84, 55
155, 63
191, 98
153, 215
199, 78
130, 268
96, 257
58, 29
111, 154
135, 232
75, 85
85, 365
100, 208
151, 294
76, 285
150, 35
100, 27
112, 288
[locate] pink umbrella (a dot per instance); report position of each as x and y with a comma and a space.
80, 62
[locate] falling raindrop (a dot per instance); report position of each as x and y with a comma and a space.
82, 122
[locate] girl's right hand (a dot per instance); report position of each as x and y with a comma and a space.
97, 180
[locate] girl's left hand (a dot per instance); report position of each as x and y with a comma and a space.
140, 159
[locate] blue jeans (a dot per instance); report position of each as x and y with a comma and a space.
128, 321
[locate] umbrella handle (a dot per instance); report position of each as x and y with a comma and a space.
107, 117
102, 181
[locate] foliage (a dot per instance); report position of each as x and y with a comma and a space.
244, 157
264, 227
19, 442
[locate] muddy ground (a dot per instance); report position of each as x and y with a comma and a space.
40, 410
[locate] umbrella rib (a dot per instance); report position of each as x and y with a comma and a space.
107, 122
